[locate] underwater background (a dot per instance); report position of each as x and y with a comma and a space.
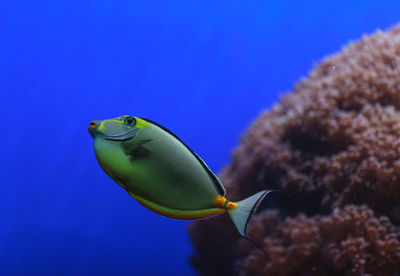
203, 69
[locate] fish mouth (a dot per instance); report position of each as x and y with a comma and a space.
92, 128
92, 124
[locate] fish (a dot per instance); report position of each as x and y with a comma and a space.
162, 173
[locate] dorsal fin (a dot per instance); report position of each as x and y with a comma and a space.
216, 181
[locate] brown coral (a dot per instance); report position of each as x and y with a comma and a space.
350, 241
333, 145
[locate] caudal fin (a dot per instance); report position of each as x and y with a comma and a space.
242, 214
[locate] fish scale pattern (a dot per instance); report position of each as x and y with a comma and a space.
333, 146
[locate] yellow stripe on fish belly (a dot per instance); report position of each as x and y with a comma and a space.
176, 213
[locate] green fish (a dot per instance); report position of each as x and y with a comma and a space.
162, 173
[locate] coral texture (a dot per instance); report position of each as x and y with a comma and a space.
332, 145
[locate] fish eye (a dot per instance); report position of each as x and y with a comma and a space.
130, 121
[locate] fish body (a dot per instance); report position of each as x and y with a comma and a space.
162, 173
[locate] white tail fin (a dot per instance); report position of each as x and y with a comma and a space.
241, 216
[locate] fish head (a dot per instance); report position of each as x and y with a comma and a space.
117, 129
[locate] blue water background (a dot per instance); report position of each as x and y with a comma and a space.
204, 69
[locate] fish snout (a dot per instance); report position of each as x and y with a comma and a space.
92, 126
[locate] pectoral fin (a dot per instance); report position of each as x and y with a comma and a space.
134, 149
